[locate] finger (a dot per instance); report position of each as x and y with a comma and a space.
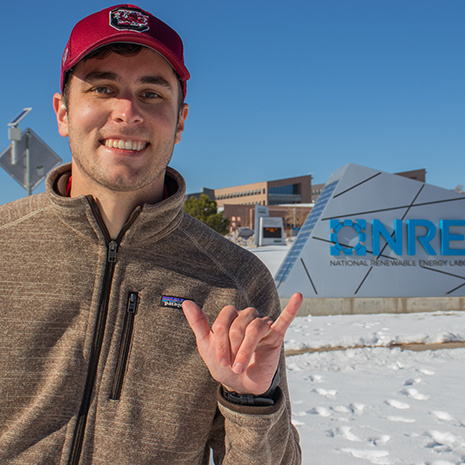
255, 331
197, 322
288, 314
221, 328
238, 328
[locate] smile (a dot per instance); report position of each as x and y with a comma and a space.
135, 146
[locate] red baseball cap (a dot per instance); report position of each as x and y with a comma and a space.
128, 24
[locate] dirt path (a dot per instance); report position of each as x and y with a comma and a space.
416, 346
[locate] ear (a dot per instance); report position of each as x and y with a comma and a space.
62, 114
181, 120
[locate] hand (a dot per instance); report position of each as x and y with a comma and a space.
242, 349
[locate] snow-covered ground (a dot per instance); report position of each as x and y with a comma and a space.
375, 404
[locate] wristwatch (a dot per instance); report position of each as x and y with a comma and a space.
262, 400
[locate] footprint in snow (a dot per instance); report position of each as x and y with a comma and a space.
380, 441
342, 409
444, 416
412, 381
328, 393
322, 411
401, 419
397, 404
316, 378
426, 372
414, 394
353, 409
345, 432
442, 442
378, 457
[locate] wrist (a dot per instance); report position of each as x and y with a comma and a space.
265, 399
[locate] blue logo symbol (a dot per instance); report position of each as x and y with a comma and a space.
359, 226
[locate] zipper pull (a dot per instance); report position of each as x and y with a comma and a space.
132, 302
112, 250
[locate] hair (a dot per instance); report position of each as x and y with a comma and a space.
124, 49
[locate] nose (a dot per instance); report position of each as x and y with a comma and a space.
126, 110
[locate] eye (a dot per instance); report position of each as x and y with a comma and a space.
98, 90
102, 90
150, 94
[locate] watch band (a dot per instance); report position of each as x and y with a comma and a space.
265, 399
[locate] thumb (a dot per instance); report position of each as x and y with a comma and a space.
197, 321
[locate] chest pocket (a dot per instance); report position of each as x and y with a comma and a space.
125, 345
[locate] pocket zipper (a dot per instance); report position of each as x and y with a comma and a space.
125, 346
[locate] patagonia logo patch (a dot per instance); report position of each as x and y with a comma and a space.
172, 302
129, 19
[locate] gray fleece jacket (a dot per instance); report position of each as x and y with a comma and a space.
98, 364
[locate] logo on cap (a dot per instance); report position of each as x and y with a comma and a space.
128, 19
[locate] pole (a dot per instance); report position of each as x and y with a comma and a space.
293, 229
28, 166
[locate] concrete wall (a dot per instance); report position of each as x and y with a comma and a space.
353, 306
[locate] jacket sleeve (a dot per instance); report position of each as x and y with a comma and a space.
245, 435
259, 435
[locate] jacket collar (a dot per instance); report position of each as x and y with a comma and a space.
154, 220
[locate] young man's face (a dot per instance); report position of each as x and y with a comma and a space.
122, 120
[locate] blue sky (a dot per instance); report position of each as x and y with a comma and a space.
278, 88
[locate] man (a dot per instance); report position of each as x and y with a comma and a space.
131, 333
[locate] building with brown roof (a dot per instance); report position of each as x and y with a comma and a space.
282, 191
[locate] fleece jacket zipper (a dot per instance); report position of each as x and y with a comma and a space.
125, 346
112, 250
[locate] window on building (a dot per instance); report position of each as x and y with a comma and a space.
290, 189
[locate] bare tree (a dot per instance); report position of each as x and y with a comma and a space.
295, 218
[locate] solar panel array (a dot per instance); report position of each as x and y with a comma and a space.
305, 232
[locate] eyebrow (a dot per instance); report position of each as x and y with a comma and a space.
98, 75
111, 76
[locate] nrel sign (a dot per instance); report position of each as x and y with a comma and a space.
413, 233
374, 234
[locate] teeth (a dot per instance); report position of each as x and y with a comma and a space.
125, 144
